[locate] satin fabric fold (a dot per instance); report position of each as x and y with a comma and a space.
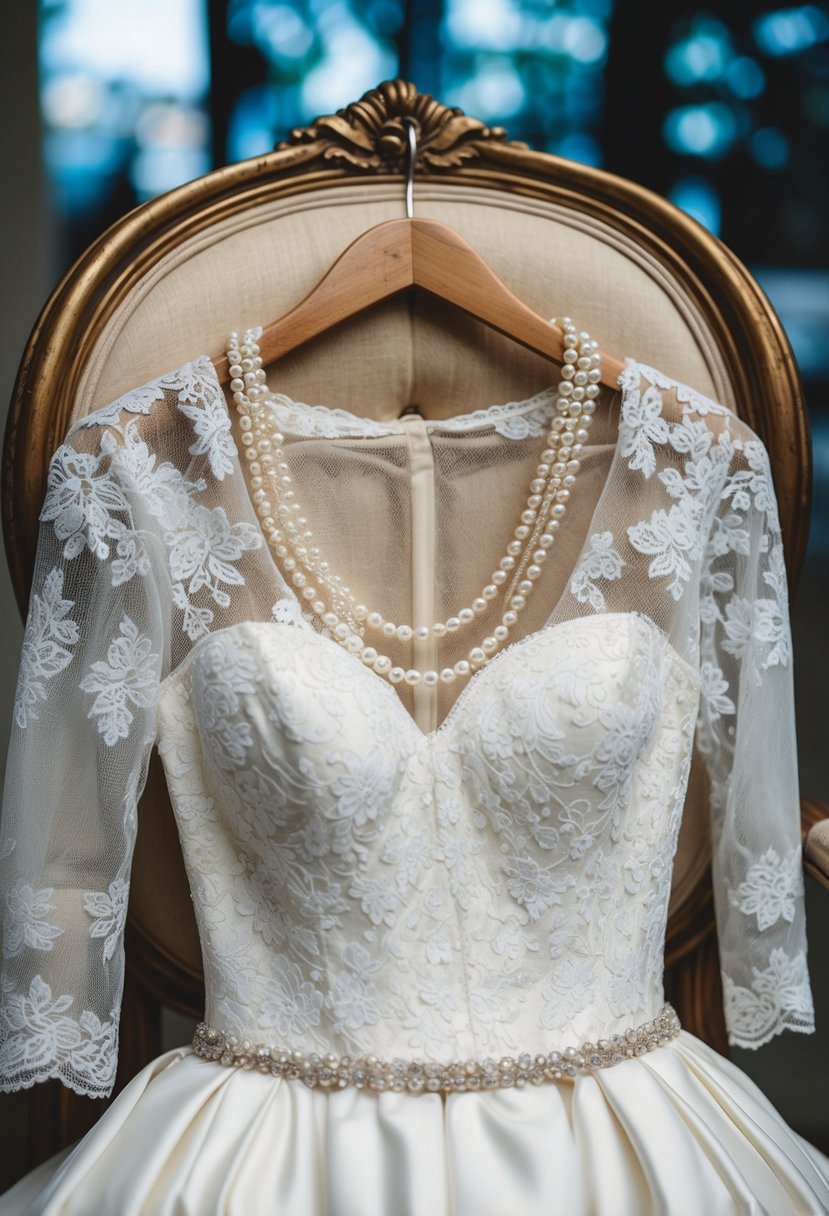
678, 1132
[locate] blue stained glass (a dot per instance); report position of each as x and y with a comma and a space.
352, 61
495, 26
282, 32
104, 70
495, 92
578, 146
82, 166
539, 67
697, 196
154, 171
385, 17
706, 130
788, 31
745, 78
703, 55
320, 55
252, 124
158, 47
770, 148
585, 40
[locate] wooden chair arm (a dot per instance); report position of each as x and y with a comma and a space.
814, 818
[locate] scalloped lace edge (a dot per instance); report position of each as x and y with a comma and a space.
806, 1027
10, 1085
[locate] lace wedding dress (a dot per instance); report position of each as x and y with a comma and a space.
474, 877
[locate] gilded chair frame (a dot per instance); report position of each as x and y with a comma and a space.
368, 139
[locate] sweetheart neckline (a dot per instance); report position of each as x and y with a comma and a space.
423, 736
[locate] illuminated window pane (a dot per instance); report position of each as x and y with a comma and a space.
744, 77
749, 96
538, 67
703, 55
705, 130
122, 97
698, 197
788, 31
770, 148
319, 56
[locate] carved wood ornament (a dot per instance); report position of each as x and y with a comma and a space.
369, 135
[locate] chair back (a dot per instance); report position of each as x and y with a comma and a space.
243, 244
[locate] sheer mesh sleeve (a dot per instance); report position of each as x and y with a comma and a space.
82, 728
746, 733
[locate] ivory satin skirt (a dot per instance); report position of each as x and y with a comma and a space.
678, 1132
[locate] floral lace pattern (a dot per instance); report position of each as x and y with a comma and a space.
413, 887
43, 1040
127, 676
47, 647
26, 923
516, 420
771, 888
600, 561
779, 995
108, 910
358, 881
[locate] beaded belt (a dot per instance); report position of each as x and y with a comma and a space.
418, 1076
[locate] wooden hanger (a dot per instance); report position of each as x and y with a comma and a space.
399, 254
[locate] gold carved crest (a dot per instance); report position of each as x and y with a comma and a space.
370, 134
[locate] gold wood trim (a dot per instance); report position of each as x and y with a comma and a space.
360, 143
743, 322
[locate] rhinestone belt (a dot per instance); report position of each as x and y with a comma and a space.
419, 1076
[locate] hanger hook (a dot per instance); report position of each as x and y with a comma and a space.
411, 129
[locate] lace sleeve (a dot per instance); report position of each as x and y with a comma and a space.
746, 734
82, 728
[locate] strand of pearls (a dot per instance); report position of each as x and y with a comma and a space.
293, 541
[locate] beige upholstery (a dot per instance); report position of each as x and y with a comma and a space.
255, 266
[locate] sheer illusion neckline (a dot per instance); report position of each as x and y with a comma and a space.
286, 591
303, 418
517, 406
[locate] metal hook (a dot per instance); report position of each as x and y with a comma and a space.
411, 128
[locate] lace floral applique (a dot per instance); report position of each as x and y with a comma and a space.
44, 1041
514, 420
771, 888
108, 910
128, 675
80, 501
287, 611
672, 538
204, 549
643, 427
47, 646
600, 561
211, 424
779, 998
698, 402
137, 401
25, 923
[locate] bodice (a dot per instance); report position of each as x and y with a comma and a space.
498, 883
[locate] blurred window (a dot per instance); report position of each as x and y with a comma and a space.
723, 109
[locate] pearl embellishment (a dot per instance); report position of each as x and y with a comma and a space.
431, 1076
286, 526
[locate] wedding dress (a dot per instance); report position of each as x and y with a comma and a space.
472, 877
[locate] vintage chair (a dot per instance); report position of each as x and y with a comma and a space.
243, 244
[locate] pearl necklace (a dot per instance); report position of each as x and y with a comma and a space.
550, 491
